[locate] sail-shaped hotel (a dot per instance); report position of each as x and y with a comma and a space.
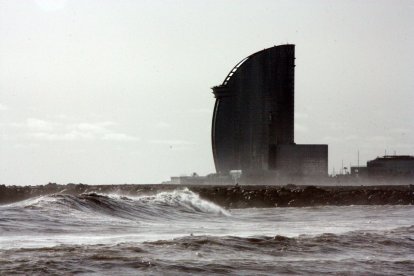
253, 121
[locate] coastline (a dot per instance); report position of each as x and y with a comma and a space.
236, 196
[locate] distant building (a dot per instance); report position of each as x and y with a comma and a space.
197, 179
388, 166
193, 179
253, 121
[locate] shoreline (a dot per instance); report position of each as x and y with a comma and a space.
236, 196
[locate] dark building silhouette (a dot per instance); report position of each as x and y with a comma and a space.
396, 167
253, 120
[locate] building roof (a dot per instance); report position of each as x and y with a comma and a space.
394, 158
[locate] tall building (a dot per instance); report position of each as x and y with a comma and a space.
253, 120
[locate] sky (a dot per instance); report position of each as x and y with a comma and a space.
113, 92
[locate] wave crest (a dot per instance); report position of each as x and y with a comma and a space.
186, 200
166, 205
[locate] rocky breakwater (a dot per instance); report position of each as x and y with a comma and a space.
235, 196
302, 196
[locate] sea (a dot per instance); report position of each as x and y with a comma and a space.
179, 233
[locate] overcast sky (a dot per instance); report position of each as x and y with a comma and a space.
119, 91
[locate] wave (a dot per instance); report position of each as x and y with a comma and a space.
356, 252
182, 202
399, 238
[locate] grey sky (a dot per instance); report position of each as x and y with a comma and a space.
119, 91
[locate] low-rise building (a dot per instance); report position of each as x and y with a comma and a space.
388, 166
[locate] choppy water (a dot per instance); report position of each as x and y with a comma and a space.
176, 233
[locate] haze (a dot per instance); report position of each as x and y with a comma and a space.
119, 91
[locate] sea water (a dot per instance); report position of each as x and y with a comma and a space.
177, 233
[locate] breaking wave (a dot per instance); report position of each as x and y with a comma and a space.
51, 212
163, 204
